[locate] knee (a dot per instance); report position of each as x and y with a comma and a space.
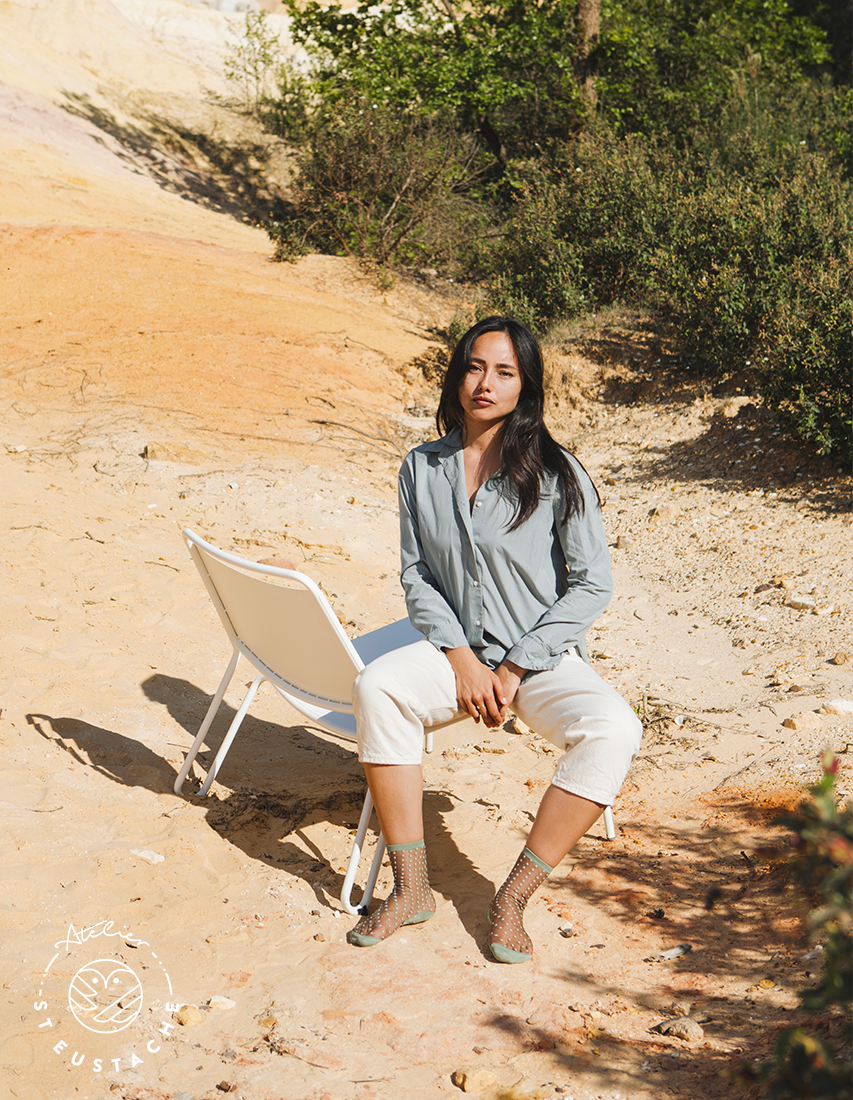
620, 727
366, 688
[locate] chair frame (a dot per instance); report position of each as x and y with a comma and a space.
333, 715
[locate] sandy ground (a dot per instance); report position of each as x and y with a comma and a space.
140, 316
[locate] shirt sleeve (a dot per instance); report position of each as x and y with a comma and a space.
429, 611
587, 557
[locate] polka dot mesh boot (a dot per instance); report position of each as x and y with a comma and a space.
410, 902
508, 941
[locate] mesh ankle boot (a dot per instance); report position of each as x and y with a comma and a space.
508, 941
410, 902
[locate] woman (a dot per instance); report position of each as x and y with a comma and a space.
504, 566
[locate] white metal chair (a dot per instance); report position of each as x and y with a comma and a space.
291, 635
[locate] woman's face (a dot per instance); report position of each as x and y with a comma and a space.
492, 385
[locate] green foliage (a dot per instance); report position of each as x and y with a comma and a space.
503, 68
805, 1064
252, 59
669, 64
747, 248
380, 183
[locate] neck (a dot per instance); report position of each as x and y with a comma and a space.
481, 437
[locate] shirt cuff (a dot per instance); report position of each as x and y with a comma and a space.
531, 653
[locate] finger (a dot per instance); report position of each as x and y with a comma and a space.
492, 708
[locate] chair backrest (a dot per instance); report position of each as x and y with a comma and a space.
289, 632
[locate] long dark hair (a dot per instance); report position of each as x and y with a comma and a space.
528, 450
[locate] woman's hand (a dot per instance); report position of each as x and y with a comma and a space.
510, 675
479, 691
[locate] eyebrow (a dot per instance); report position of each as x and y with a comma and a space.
477, 359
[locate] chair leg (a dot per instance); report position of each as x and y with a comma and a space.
208, 718
355, 858
231, 734
609, 827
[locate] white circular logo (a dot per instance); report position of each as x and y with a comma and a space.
105, 995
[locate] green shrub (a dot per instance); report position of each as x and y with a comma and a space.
746, 248
806, 1064
381, 183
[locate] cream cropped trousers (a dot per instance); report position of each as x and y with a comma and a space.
400, 693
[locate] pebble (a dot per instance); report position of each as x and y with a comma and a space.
473, 1080
189, 1016
524, 1090
841, 657
662, 512
149, 857
837, 706
567, 930
683, 1027
807, 720
221, 1002
680, 1008
624, 542
673, 953
801, 603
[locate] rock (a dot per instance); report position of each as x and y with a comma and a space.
841, 657
576, 1006
221, 1002
173, 452
189, 1015
149, 857
15, 448
567, 930
673, 953
662, 513
624, 542
320, 937
731, 406
801, 603
837, 706
807, 720
524, 1090
473, 1080
683, 1027
680, 1008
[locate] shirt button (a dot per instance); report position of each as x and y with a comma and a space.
476, 584
477, 504
479, 623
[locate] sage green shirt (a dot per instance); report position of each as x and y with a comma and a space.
527, 595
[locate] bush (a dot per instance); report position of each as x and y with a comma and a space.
747, 248
381, 183
805, 1064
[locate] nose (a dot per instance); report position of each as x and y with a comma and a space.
485, 381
